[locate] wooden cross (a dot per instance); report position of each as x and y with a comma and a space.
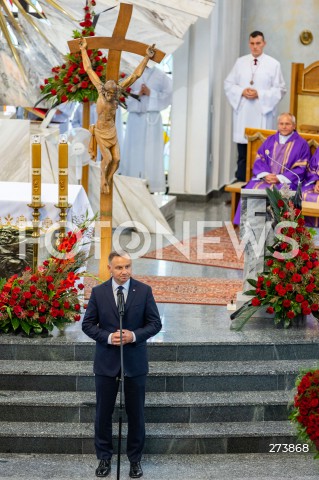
115, 44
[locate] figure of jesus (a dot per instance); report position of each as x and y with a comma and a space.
106, 105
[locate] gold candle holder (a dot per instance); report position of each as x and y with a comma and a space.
36, 197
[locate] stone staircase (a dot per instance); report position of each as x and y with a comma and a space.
202, 398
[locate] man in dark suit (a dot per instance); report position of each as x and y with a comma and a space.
101, 322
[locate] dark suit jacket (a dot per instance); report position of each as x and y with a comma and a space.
101, 319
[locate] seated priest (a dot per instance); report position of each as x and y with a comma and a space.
282, 158
310, 187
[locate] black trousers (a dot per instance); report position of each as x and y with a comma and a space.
134, 392
241, 162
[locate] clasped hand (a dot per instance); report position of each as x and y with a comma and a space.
271, 178
250, 93
127, 337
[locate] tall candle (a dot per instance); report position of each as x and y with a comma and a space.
63, 170
36, 170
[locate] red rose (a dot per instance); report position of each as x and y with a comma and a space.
64, 98
304, 270
33, 288
51, 286
301, 222
46, 81
77, 318
49, 279
286, 303
280, 203
77, 306
299, 298
27, 295
92, 34
290, 314
66, 304
255, 302
282, 275
17, 310
310, 287
80, 286
289, 266
314, 307
53, 91
296, 278
270, 310
42, 319
84, 84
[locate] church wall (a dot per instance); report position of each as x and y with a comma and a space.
282, 22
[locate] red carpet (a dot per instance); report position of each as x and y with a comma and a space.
196, 250
206, 291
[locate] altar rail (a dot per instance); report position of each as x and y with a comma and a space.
255, 139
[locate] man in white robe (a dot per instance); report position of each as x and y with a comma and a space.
142, 154
254, 87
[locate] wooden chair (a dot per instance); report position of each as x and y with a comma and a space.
255, 138
304, 96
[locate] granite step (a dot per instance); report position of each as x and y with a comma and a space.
165, 438
181, 407
250, 466
163, 376
59, 349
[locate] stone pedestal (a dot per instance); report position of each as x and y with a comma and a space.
257, 233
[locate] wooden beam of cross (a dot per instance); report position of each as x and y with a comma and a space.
115, 44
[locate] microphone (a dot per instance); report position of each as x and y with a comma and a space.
120, 302
298, 195
286, 168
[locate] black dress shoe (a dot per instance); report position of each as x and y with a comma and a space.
104, 468
136, 470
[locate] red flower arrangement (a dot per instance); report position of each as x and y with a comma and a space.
69, 81
305, 414
36, 302
289, 285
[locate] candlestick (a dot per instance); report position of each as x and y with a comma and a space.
63, 170
36, 170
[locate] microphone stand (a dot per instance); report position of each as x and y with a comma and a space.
298, 196
120, 307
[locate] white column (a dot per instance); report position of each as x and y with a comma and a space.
225, 49
190, 113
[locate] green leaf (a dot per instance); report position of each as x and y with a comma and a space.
15, 323
250, 292
25, 327
240, 320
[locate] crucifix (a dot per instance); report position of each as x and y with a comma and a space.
108, 93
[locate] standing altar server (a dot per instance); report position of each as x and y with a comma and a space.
253, 88
143, 142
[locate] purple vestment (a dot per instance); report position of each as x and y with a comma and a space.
308, 194
294, 154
